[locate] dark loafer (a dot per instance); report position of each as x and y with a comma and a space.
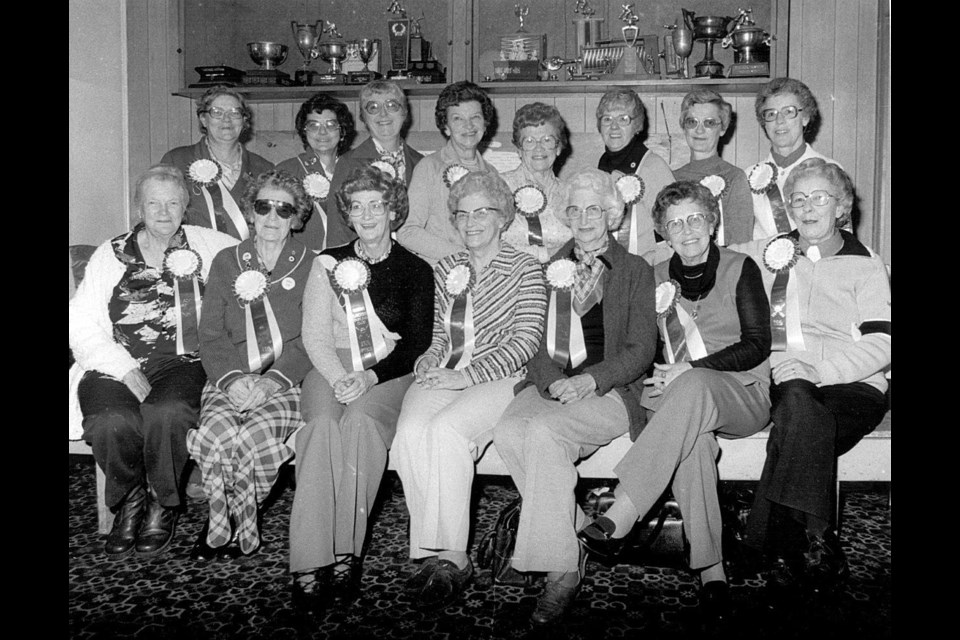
126, 524
556, 598
599, 542
445, 585
157, 531
201, 550
824, 561
416, 582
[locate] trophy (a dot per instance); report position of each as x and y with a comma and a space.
332, 52
751, 47
306, 36
364, 48
588, 34
521, 12
399, 32
678, 46
268, 55
628, 65
710, 30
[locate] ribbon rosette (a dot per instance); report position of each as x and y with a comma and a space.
716, 184
781, 254
204, 172
316, 185
453, 173
251, 285
459, 280
561, 274
667, 295
183, 263
385, 167
530, 200
352, 275
631, 188
762, 177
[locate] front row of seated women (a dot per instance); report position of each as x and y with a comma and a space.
548, 362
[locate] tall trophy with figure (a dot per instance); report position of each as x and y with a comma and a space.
306, 36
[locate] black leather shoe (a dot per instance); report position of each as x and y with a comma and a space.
785, 574
445, 585
201, 550
598, 541
311, 589
126, 524
345, 581
556, 599
824, 561
416, 582
715, 601
158, 528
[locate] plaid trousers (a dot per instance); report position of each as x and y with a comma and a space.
240, 456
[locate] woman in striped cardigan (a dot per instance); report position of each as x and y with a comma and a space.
490, 303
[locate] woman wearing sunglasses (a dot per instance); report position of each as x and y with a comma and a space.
788, 113
252, 352
621, 121
367, 314
325, 126
712, 380
218, 168
385, 114
705, 118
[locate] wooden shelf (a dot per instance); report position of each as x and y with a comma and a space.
727, 86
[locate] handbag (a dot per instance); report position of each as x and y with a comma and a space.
495, 550
658, 538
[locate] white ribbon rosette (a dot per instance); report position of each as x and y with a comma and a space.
352, 275
316, 185
458, 318
564, 331
667, 294
183, 263
251, 285
366, 331
781, 254
530, 200
762, 177
562, 274
204, 172
716, 184
385, 167
459, 280
631, 188
453, 173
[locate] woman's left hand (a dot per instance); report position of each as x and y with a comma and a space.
664, 374
793, 369
443, 378
353, 385
262, 390
574, 388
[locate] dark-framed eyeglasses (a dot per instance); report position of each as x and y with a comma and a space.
789, 113
695, 221
283, 209
819, 198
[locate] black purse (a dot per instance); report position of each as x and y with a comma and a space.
658, 538
495, 549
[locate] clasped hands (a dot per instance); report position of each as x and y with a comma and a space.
251, 391
793, 369
430, 375
571, 389
353, 385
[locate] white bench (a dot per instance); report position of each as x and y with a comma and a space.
740, 459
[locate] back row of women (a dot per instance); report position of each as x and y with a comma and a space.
213, 331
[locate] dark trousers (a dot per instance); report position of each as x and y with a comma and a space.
133, 441
812, 427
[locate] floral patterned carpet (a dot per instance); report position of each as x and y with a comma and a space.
171, 596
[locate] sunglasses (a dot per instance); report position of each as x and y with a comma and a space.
283, 209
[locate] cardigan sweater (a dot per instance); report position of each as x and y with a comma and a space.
509, 307
401, 292
360, 156
252, 165
629, 334
223, 333
737, 200
91, 332
555, 233
428, 230
312, 233
844, 312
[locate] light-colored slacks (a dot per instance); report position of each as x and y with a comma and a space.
440, 436
540, 441
341, 457
679, 443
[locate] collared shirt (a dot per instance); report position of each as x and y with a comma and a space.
393, 157
828, 248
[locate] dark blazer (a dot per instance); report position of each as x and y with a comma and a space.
197, 214
365, 153
629, 334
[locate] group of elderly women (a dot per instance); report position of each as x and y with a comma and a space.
355, 302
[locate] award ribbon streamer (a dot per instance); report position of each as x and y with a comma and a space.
720, 234
264, 344
186, 295
534, 231
785, 314
458, 323
323, 220
367, 346
564, 331
625, 234
220, 202
681, 337
779, 211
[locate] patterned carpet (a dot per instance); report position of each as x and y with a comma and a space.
173, 597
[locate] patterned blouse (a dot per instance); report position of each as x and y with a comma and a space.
509, 308
555, 233
142, 306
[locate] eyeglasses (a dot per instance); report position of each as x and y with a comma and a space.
479, 215
283, 209
798, 199
573, 212
375, 207
217, 113
695, 221
623, 120
314, 126
708, 123
373, 108
547, 142
789, 113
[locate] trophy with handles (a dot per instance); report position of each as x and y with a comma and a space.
306, 36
